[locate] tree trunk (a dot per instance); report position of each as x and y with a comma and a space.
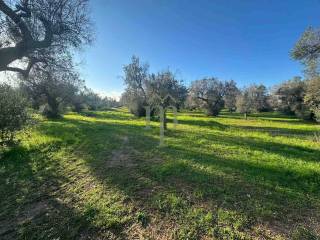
53, 111
165, 119
213, 109
245, 116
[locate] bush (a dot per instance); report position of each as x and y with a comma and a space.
13, 114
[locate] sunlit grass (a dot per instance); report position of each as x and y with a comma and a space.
103, 175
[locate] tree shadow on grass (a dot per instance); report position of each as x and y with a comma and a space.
272, 131
276, 115
267, 194
111, 114
257, 172
259, 191
294, 152
277, 131
286, 150
256, 192
203, 123
268, 116
32, 189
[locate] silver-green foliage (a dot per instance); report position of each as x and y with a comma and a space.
13, 113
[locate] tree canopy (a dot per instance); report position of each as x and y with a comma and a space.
41, 31
209, 93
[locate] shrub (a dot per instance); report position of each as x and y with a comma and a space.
13, 114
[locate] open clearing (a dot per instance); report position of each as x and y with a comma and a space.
103, 176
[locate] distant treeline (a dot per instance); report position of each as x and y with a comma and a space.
299, 96
296, 96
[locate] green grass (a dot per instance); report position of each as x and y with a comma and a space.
103, 176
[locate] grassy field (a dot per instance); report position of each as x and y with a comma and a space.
103, 176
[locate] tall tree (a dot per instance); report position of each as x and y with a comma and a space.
307, 51
40, 31
136, 77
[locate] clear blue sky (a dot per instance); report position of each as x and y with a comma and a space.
245, 40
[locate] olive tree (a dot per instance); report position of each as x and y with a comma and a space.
136, 77
312, 97
245, 102
134, 102
290, 97
164, 90
13, 114
52, 88
307, 51
307, 47
259, 96
231, 94
209, 93
40, 32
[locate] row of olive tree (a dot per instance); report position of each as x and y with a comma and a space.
296, 96
145, 89
50, 93
87, 99
53, 92
300, 96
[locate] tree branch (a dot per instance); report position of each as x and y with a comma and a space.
27, 45
26, 34
47, 41
203, 99
25, 72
